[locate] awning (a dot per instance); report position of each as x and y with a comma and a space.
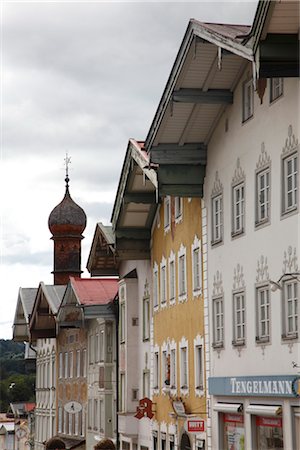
228, 407
264, 410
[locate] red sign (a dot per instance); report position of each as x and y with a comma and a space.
235, 418
268, 422
144, 409
195, 425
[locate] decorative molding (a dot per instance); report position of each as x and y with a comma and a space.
218, 284
290, 263
218, 186
238, 278
264, 159
239, 174
291, 143
262, 269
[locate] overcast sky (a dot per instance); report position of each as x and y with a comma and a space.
82, 78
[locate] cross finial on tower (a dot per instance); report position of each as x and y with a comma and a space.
67, 163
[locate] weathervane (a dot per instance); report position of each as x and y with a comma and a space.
67, 160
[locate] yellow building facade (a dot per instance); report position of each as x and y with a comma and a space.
178, 353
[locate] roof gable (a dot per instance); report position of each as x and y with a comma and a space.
102, 258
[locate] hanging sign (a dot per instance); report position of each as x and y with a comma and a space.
194, 425
144, 409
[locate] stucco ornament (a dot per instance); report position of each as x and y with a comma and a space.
218, 186
239, 174
218, 284
264, 159
262, 269
238, 277
290, 263
291, 143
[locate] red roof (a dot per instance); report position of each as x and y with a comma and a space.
95, 291
29, 407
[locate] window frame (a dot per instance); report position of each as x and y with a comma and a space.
217, 238
196, 252
163, 283
293, 155
184, 366
238, 187
260, 336
199, 365
218, 322
286, 333
239, 325
155, 287
146, 318
273, 95
156, 370
172, 278
178, 209
167, 213
248, 100
173, 368
182, 274
263, 172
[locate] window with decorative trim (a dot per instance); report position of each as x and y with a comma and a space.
290, 183
218, 322
172, 282
184, 368
122, 322
178, 206
60, 419
122, 404
182, 273
78, 354
173, 365
262, 196
66, 364
165, 367
146, 383
239, 318
262, 314
238, 209
199, 365
276, 88
217, 219
197, 266
156, 369
71, 364
167, 213
60, 363
84, 363
248, 98
155, 286
290, 309
95, 415
146, 318
163, 282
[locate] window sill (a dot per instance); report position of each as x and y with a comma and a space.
236, 234
216, 242
289, 337
246, 119
289, 212
274, 100
262, 223
262, 340
239, 343
218, 345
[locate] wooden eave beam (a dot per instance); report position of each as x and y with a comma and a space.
133, 233
279, 56
139, 197
188, 154
210, 97
181, 180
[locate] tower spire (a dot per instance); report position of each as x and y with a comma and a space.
67, 160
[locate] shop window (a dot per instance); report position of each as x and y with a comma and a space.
269, 433
234, 432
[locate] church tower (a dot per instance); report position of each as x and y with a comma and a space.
67, 222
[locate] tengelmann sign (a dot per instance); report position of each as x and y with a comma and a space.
257, 386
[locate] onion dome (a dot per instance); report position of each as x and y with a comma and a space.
67, 218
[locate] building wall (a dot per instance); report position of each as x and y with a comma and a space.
260, 253
178, 322
101, 410
45, 412
72, 381
134, 354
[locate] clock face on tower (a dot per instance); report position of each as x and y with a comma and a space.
21, 433
73, 407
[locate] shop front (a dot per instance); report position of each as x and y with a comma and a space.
255, 412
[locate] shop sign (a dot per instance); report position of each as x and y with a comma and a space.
144, 409
194, 425
255, 386
268, 422
234, 418
178, 407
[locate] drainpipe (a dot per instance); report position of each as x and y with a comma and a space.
116, 308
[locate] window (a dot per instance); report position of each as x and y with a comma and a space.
263, 196
238, 205
78, 363
146, 318
183, 368
95, 415
239, 318
290, 183
66, 365
97, 347
167, 213
65, 421
163, 282
70, 424
178, 208
60, 416
101, 346
165, 369
217, 219
199, 367
172, 291
122, 392
91, 348
146, 383
101, 415
163, 441
247, 100
263, 313
76, 424
155, 286
60, 365
173, 383
182, 273
196, 266
218, 322
156, 370
84, 363
171, 442
290, 309
90, 413
122, 322
276, 88
71, 365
